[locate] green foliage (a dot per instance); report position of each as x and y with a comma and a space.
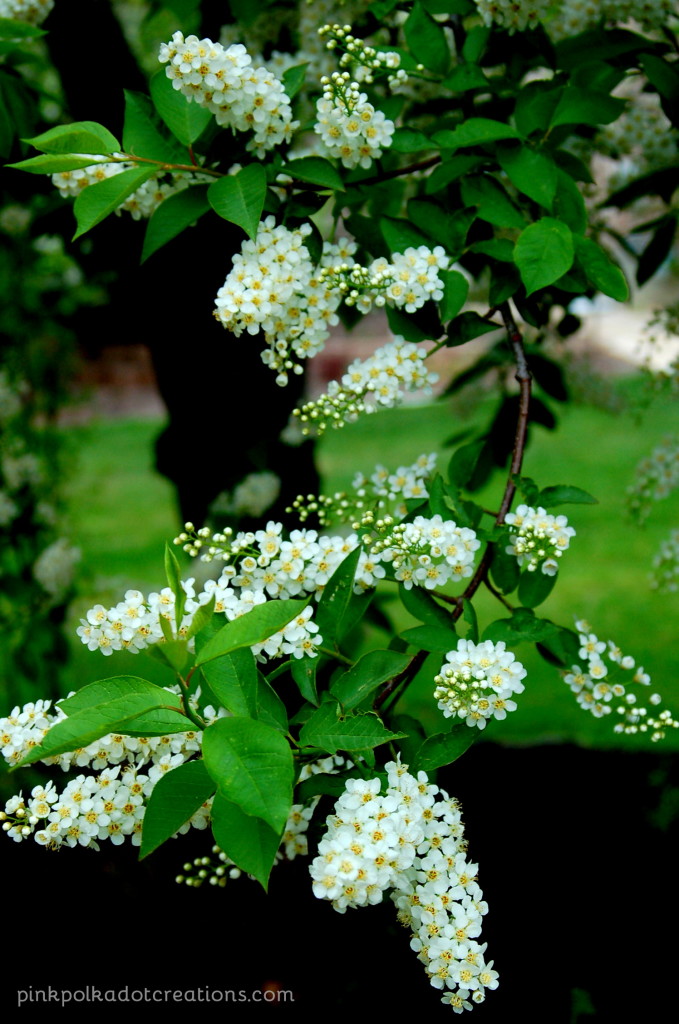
240, 197
175, 798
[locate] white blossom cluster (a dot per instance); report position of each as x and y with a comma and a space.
378, 382
643, 132
407, 282
349, 126
32, 11
225, 81
274, 287
109, 804
382, 491
538, 539
425, 553
514, 15
364, 60
595, 688
665, 575
54, 567
655, 478
477, 682
408, 841
135, 623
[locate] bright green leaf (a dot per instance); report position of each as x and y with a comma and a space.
584, 106
254, 627
293, 79
443, 748
186, 120
79, 137
455, 291
426, 40
253, 767
239, 197
48, 163
535, 587
531, 172
98, 201
564, 494
175, 798
250, 843
476, 131
369, 672
431, 638
328, 729
316, 170
141, 136
492, 202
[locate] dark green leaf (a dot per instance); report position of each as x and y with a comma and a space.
303, 671
426, 40
449, 171
233, 680
584, 106
369, 672
336, 596
328, 729
468, 326
455, 291
293, 79
252, 765
400, 235
314, 169
535, 587
497, 248
141, 137
250, 843
476, 131
15, 29
79, 137
175, 584
97, 201
544, 251
492, 202
463, 463
504, 570
409, 140
465, 77
186, 120
521, 626
600, 269
239, 198
174, 799
504, 282
469, 615
448, 6
174, 215
423, 607
535, 106
569, 206
563, 494
431, 638
531, 172
443, 748
657, 250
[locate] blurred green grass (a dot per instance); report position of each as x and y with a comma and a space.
122, 512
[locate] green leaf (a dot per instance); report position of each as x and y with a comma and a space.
455, 291
201, 617
79, 137
104, 690
568, 205
423, 607
430, 217
450, 170
600, 269
531, 172
186, 120
252, 766
448, 6
658, 249
336, 597
98, 201
132, 712
544, 251
476, 131
504, 570
535, 106
233, 680
564, 494
521, 626
431, 638
141, 136
250, 843
48, 163
293, 79
475, 43
465, 77
492, 202
534, 588
303, 671
443, 748
239, 197
469, 615
468, 326
11, 29
463, 463
254, 627
501, 249
328, 729
314, 169
410, 140
426, 40
175, 584
177, 212
369, 672
585, 106
399, 234
175, 798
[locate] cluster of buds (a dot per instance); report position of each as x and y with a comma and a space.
215, 870
365, 60
477, 682
192, 541
538, 539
